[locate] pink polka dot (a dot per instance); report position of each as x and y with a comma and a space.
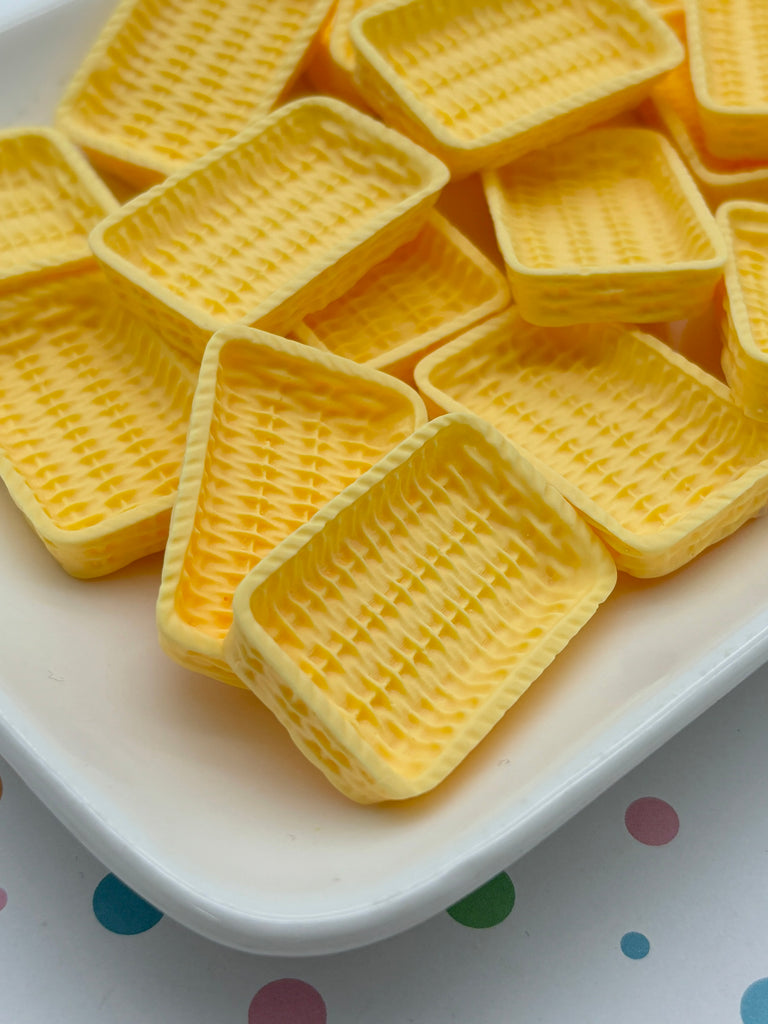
287, 1001
652, 821
3, 898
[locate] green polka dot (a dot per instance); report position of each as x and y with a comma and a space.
487, 906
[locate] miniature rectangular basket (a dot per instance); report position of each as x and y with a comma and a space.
726, 51
672, 108
274, 224
93, 419
393, 631
277, 430
50, 199
606, 226
745, 306
482, 84
427, 291
647, 446
168, 80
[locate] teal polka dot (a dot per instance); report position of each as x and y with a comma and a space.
121, 910
754, 1003
487, 906
635, 945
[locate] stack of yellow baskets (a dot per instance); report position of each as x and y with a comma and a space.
393, 465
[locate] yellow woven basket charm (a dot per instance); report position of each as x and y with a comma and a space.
271, 226
672, 107
429, 290
93, 418
726, 47
480, 84
607, 226
745, 307
169, 80
647, 446
277, 430
50, 199
393, 631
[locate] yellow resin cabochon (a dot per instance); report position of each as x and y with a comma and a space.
391, 633
93, 418
606, 226
50, 200
167, 81
482, 84
277, 430
271, 226
726, 40
744, 323
650, 448
427, 291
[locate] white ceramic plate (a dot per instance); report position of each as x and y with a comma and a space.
189, 791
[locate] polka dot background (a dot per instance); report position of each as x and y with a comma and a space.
617, 908
122, 911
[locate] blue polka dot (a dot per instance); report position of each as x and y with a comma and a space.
754, 1003
121, 910
635, 945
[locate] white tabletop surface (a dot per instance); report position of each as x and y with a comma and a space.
648, 907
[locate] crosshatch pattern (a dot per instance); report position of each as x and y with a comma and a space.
745, 316
642, 440
46, 207
93, 417
422, 610
727, 43
288, 218
429, 289
171, 79
287, 433
510, 67
617, 215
